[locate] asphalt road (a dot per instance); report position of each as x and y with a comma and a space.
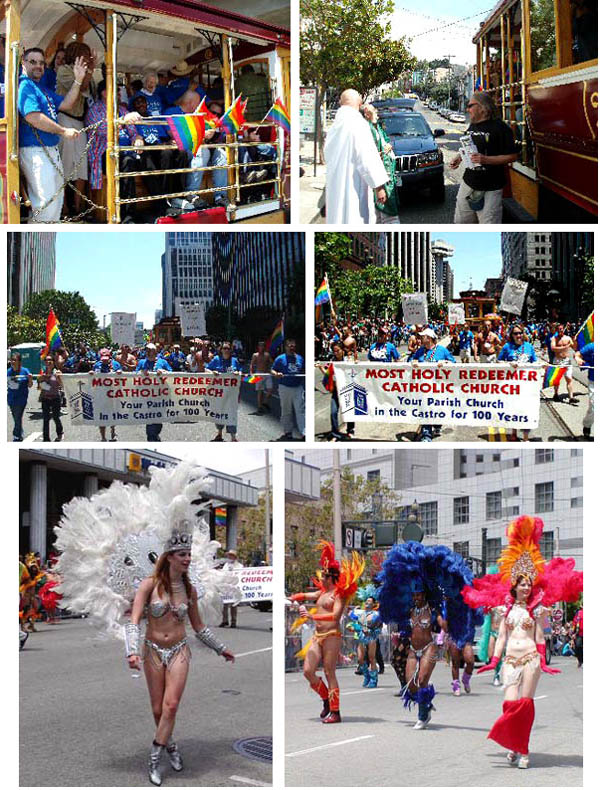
86, 722
252, 427
559, 421
376, 745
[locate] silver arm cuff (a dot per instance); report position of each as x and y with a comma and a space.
209, 639
132, 639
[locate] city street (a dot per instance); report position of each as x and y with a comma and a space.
416, 207
86, 722
376, 745
559, 421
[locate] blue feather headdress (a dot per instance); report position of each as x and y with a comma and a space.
368, 591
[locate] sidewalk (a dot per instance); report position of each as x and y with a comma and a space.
311, 186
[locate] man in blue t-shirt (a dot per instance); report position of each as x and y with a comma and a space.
106, 364
382, 350
20, 382
39, 132
176, 358
288, 368
151, 363
430, 351
466, 344
224, 362
585, 357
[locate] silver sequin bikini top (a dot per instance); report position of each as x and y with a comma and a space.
161, 608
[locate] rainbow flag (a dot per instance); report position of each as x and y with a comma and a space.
210, 119
233, 119
220, 516
276, 339
329, 382
252, 378
586, 333
53, 337
322, 297
553, 376
187, 131
279, 115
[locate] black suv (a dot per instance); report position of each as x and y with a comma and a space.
419, 161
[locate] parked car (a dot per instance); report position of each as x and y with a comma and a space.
456, 117
419, 161
395, 103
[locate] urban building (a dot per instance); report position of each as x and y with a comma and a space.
410, 253
367, 249
442, 271
568, 253
302, 480
31, 265
493, 288
527, 255
187, 271
256, 269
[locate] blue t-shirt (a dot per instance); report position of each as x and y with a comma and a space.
33, 98
435, 354
18, 386
289, 364
108, 367
158, 364
465, 339
587, 352
175, 90
176, 360
152, 134
48, 80
383, 352
223, 365
521, 354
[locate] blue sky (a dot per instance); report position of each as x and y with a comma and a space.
114, 272
477, 256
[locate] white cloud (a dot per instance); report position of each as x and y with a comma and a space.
221, 458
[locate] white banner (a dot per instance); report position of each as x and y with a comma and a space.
456, 314
256, 584
414, 308
491, 395
162, 396
193, 322
122, 328
513, 296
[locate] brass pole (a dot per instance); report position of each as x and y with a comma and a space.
111, 106
13, 35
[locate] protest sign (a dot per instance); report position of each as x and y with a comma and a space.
122, 328
193, 322
456, 314
153, 397
491, 395
255, 584
513, 296
414, 308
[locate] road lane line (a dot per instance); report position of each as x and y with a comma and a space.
328, 745
252, 652
253, 782
544, 696
32, 437
363, 691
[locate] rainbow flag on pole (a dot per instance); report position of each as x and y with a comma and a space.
329, 379
210, 119
276, 339
220, 516
553, 376
252, 378
279, 115
53, 337
322, 297
187, 131
586, 333
233, 119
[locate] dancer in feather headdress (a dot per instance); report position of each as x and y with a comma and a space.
366, 623
523, 590
145, 551
336, 585
421, 593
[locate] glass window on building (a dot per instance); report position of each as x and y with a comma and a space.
493, 549
547, 545
428, 512
496, 457
461, 547
577, 482
461, 510
544, 497
576, 452
493, 505
577, 501
544, 456
479, 458
373, 474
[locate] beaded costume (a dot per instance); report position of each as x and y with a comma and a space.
366, 624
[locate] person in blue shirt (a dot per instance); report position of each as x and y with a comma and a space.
224, 362
288, 368
106, 364
149, 364
20, 382
466, 344
49, 77
382, 350
430, 351
39, 132
176, 358
585, 357
520, 352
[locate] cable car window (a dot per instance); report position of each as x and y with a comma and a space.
543, 34
584, 29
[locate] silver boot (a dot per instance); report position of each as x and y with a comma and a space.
154, 774
174, 756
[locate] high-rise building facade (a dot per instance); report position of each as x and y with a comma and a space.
256, 269
443, 274
31, 265
568, 253
187, 271
410, 253
527, 255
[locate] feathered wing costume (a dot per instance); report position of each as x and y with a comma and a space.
553, 581
366, 625
110, 543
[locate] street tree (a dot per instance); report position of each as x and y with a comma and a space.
78, 322
22, 329
374, 290
330, 250
348, 44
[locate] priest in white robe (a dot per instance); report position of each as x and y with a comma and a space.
354, 167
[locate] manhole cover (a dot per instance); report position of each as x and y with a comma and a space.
260, 749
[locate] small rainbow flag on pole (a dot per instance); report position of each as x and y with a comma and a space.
329, 381
210, 119
276, 339
252, 378
322, 298
233, 119
187, 131
553, 376
586, 333
220, 516
279, 115
53, 337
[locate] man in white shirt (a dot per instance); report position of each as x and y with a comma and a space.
231, 564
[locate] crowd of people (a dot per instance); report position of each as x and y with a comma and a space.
203, 354
494, 341
63, 138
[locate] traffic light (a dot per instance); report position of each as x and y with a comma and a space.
369, 539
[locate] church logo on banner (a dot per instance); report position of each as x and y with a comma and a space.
354, 398
81, 404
